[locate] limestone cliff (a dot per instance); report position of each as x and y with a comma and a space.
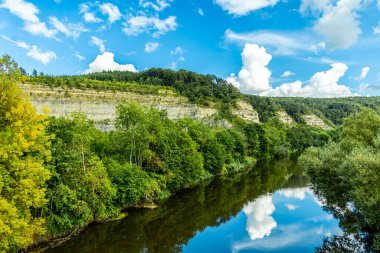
100, 106
246, 112
284, 117
314, 120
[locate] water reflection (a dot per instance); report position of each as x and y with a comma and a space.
259, 217
235, 213
290, 220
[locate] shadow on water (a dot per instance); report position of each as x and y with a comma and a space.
177, 220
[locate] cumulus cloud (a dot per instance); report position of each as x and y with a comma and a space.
70, 30
280, 43
157, 5
136, 25
254, 75
28, 13
200, 12
321, 84
98, 42
111, 10
151, 47
87, 15
106, 62
287, 74
260, 222
244, 7
364, 73
334, 19
254, 78
44, 57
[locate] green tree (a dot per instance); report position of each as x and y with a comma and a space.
23, 149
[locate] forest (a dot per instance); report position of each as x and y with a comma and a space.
57, 175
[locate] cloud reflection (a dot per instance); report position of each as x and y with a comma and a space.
260, 222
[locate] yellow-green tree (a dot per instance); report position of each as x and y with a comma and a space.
23, 149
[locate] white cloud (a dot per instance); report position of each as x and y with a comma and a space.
295, 193
106, 62
200, 12
321, 84
244, 7
136, 25
181, 59
287, 74
254, 75
70, 30
33, 51
87, 15
157, 5
44, 57
260, 222
254, 78
151, 47
364, 73
79, 56
177, 50
98, 42
111, 10
20, 44
280, 43
291, 207
28, 13
338, 23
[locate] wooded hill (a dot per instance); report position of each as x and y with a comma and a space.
206, 90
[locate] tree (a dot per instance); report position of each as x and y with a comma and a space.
23, 150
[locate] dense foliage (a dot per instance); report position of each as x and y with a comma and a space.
23, 150
333, 110
346, 175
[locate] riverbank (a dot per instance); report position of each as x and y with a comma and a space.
47, 243
215, 211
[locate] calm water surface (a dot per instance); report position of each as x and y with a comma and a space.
269, 209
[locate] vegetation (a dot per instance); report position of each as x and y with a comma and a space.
23, 150
346, 175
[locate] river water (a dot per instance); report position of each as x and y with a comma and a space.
268, 209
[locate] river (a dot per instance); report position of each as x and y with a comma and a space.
268, 209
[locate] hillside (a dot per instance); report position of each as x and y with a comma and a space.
183, 94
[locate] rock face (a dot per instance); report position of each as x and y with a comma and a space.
100, 106
314, 120
246, 112
284, 117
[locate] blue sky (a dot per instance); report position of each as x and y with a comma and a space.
315, 48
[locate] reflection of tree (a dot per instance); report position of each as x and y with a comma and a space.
341, 244
358, 234
175, 222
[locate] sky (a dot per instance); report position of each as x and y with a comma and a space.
308, 48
